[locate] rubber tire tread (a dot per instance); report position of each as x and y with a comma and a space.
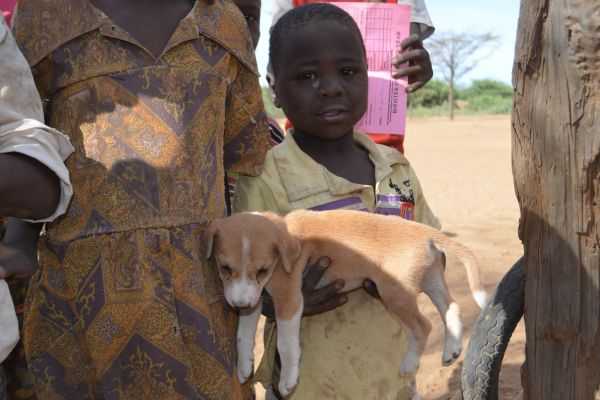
491, 334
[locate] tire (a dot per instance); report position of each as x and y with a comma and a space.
491, 334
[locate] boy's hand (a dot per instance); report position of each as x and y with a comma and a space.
17, 262
412, 61
327, 298
316, 301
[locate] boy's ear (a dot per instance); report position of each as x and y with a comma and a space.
288, 248
211, 236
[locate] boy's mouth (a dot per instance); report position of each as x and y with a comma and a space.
333, 114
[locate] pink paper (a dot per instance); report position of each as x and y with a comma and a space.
383, 27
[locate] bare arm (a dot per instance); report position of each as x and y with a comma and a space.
28, 189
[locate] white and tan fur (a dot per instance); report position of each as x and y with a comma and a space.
403, 258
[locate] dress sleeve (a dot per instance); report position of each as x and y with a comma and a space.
246, 130
420, 17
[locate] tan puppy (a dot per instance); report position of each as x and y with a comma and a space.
263, 250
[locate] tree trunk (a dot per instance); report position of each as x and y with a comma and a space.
556, 164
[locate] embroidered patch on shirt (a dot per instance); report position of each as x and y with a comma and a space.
395, 204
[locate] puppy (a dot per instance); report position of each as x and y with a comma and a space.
404, 258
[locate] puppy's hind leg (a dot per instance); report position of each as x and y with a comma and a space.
435, 287
246, 334
404, 308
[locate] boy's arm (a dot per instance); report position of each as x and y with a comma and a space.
34, 182
18, 249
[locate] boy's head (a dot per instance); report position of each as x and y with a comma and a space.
319, 65
251, 11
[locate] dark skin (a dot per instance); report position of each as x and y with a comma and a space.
135, 16
323, 91
27, 188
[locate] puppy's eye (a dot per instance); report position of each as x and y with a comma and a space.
226, 270
262, 274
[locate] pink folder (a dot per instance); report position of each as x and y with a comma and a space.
383, 27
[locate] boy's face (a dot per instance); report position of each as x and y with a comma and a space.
321, 79
251, 11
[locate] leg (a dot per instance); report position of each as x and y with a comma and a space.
288, 345
435, 287
405, 309
246, 333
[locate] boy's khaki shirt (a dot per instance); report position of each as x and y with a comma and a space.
355, 351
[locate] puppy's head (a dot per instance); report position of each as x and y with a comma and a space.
247, 247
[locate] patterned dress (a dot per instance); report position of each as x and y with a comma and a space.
125, 306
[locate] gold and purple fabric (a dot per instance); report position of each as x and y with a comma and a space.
124, 305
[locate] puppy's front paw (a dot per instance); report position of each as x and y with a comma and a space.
287, 382
245, 369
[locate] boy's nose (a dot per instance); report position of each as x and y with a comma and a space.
330, 87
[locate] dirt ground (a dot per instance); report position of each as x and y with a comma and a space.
465, 170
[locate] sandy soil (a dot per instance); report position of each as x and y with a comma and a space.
464, 168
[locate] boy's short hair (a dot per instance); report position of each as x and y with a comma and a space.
304, 15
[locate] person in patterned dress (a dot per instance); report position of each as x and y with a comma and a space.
124, 306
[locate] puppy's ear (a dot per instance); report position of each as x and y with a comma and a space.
211, 236
288, 248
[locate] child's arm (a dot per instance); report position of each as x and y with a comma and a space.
412, 61
28, 189
34, 182
18, 249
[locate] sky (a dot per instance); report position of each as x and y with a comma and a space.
478, 16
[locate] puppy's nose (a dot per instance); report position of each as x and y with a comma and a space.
242, 304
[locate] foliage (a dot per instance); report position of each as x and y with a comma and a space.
480, 97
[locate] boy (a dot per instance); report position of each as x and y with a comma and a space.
320, 74
412, 60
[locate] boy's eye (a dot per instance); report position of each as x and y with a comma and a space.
251, 18
307, 76
349, 71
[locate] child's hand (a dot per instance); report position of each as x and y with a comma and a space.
17, 262
412, 61
327, 298
316, 301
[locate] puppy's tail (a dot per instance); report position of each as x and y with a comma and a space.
469, 261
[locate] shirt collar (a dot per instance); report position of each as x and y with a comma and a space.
294, 166
42, 27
